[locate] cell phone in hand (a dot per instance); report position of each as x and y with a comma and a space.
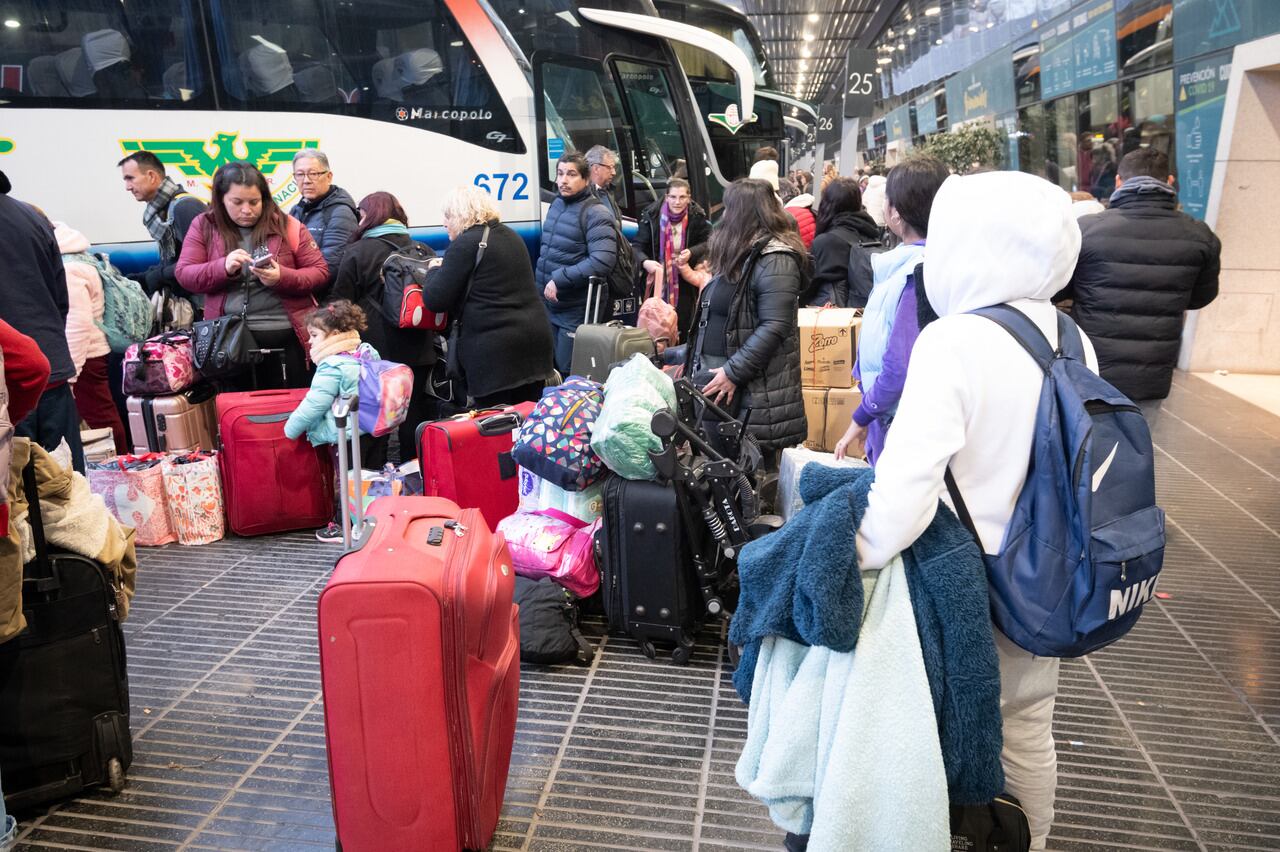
262, 258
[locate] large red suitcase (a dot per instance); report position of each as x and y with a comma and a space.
420, 663
467, 459
270, 483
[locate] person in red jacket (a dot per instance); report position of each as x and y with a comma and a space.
26, 373
247, 256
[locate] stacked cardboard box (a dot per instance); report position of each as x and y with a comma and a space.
828, 347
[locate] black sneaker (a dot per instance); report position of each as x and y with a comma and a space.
332, 534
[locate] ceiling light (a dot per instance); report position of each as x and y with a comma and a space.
813, 17
901, 46
804, 66
933, 11
883, 60
911, 31
889, 48
938, 41
973, 28
11, 23
808, 36
806, 52
889, 33
990, 24
879, 70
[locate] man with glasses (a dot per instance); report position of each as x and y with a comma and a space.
328, 211
603, 166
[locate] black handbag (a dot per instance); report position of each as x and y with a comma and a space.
224, 346
998, 826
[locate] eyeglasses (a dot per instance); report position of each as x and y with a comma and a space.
608, 166
311, 176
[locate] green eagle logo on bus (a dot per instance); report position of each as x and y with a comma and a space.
198, 159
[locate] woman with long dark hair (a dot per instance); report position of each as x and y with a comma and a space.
245, 254
383, 229
841, 274
745, 343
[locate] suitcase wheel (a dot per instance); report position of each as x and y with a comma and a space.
683, 652
115, 775
648, 649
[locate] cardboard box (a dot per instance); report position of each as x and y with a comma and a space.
815, 412
841, 403
828, 346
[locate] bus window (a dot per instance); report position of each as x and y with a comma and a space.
97, 53
580, 112
404, 63
658, 152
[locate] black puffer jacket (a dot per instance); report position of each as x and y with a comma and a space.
764, 345
835, 280
1142, 264
647, 247
332, 221
360, 280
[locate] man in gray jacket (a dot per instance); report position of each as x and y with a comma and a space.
328, 211
578, 243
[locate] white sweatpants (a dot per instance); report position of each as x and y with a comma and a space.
1028, 690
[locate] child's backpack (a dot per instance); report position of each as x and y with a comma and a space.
127, 313
554, 442
404, 274
1083, 550
385, 389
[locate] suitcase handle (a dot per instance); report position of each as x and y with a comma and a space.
500, 424
268, 418
344, 413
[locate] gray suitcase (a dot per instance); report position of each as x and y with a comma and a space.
597, 346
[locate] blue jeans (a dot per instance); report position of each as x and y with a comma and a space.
55, 418
8, 826
563, 327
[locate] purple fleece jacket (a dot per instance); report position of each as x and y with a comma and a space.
877, 407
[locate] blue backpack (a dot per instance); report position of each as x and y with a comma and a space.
1083, 550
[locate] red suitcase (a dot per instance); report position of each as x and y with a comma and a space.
420, 664
270, 483
468, 460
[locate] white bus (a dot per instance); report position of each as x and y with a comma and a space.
409, 96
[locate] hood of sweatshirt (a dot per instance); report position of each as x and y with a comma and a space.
998, 237
804, 199
70, 241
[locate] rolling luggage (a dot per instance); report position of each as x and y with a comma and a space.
178, 422
270, 483
420, 666
467, 459
598, 346
64, 690
648, 584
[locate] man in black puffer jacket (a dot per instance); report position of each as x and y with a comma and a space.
577, 244
1142, 264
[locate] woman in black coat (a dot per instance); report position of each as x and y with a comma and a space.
383, 229
746, 344
502, 337
842, 224
669, 230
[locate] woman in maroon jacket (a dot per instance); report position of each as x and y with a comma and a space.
243, 251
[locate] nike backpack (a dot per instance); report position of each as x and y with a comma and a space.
622, 276
404, 274
1083, 550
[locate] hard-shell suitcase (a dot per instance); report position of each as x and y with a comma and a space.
598, 346
64, 690
647, 580
467, 459
420, 665
270, 483
176, 422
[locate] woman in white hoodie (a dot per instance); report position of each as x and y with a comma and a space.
88, 345
970, 402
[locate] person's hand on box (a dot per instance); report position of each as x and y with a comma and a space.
853, 442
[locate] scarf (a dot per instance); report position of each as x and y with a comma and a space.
160, 226
672, 240
1142, 185
337, 343
391, 226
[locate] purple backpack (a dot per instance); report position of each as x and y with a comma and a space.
554, 442
385, 388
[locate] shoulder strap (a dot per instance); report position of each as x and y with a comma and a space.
1023, 330
466, 291
34, 517
1069, 341
962, 511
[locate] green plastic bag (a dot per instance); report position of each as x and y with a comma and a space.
622, 435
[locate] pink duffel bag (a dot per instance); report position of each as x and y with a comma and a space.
550, 543
159, 365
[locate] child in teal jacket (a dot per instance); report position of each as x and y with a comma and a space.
334, 331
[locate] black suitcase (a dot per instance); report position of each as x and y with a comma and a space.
648, 584
64, 692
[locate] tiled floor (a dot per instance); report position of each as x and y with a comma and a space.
1167, 741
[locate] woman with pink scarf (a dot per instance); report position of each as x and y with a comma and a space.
670, 229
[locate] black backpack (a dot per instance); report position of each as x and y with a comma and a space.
549, 624
998, 826
860, 275
404, 276
623, 275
